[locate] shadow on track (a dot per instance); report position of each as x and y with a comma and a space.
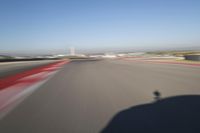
180, 114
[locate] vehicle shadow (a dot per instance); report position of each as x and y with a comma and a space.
180, 114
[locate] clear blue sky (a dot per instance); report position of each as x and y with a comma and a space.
36, 25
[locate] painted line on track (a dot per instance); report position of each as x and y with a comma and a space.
12, 80
17, 87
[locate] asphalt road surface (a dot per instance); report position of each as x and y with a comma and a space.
85, 95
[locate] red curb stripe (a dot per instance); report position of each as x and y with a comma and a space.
6, 95
18, 86
12, 80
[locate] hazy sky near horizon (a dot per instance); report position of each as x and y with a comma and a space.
36, 25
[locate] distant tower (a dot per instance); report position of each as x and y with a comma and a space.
72, 51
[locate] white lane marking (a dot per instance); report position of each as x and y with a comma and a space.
14, 95
51, 68
37, 75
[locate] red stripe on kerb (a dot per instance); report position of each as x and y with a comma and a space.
12, 80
